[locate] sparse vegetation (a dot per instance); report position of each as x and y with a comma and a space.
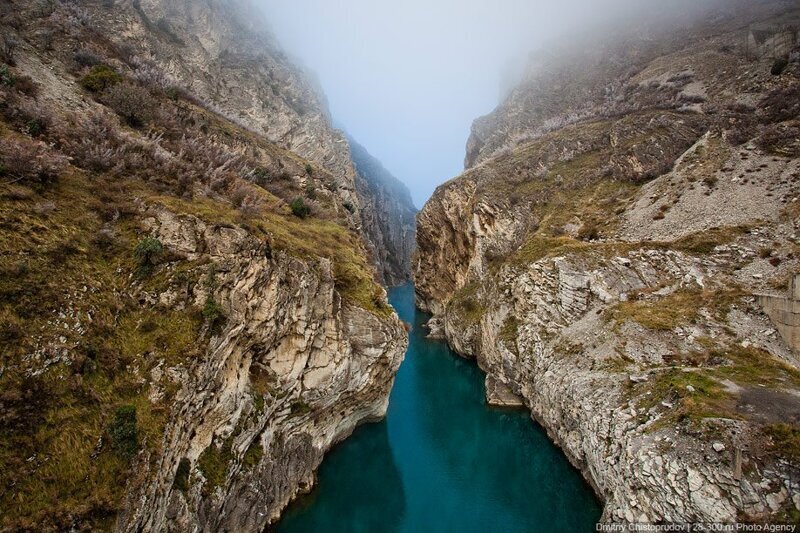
693, 396
299, 407
299, 208
213, 313
123, 432
253, 455
148, 253
785, 439
678, 308
100, 78
214, 463
132, 103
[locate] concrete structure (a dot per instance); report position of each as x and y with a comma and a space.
785, 313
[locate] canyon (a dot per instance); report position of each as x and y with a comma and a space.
191, 268
622, 214
194, 266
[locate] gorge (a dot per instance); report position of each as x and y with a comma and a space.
443, 460
220, 312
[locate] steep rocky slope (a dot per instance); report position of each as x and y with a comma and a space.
602, 257
189, 316
388, 215
223, 53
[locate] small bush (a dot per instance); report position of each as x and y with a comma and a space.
86, 58
122, 430
100, 78
300, 407
26, 86
779, 66
260, 176
214, 463
253, 455
147, 253
29, 161
131, 102
309, 170
8, 44
299, 208
588, 232
311, 192
349, 206
213, 313
6, 79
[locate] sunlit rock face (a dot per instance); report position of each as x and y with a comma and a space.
603, 258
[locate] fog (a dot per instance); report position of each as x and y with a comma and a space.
406, 79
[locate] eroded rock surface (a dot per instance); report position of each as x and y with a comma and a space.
602, 258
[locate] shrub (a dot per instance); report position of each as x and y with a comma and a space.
299, 208
311, 192
213, 313
147, 253
253, 455
588, 232
6, 79
86, 58
260, 176
29, 161
7, 46
100, 78
214, 463
779, 66
309, 169
26, 86
131, 102
251, 206
122, 430
349, 206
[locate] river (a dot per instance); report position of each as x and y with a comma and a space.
443, 460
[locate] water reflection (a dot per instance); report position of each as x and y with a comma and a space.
443, 460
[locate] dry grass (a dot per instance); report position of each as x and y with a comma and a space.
676, 309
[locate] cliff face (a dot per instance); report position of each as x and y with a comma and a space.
388, 216
603, 264
188, 312
223, 53
292, 372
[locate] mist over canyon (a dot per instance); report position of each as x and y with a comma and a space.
570, 229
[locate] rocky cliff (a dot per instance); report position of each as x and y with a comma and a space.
223, 52
603, 256
189, 316
388, 216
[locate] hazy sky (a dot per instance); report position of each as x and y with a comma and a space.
406, 79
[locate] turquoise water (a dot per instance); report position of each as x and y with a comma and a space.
443, 460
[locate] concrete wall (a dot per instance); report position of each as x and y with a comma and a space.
785, 313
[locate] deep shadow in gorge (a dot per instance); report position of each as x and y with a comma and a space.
443, 460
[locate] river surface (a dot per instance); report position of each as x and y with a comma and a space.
443, 460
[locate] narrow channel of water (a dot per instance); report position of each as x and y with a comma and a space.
443, 460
